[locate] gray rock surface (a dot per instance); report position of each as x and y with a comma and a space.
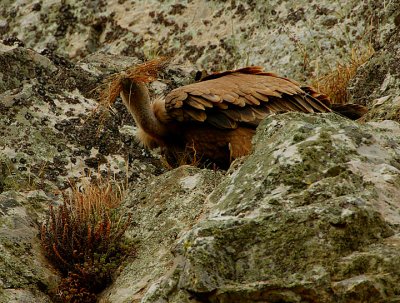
25, 275
311, 216
296, 39
50, 136
377, 83
52, 127
163, 209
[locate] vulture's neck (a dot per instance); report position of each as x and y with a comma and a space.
136, 98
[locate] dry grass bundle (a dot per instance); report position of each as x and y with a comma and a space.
84, 239
144, 73
335, 83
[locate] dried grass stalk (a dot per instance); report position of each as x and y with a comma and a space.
143, 73
335, 83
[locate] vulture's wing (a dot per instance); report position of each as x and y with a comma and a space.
245, 96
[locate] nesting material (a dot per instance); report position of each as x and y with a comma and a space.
143, 73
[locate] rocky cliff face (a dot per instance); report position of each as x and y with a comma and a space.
377, 82
311, 216
49, 136
294, 39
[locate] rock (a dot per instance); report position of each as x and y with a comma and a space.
25, 275
377, 83
51, 136
298, 39
162, 210
51, 132
311, 216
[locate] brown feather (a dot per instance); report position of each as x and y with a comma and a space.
261, 112
252, 99
221, 121
212, 97
229, 98
202, 101
247, 114
260, 96
303, 103
195, 104
175, 97
269, 92
276, 107
233, 114
222, 105
196, 114
197, 92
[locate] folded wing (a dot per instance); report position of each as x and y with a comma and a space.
244, 96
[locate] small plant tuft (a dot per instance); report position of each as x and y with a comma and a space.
335, 83
83, 238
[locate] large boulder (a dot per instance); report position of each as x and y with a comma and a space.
311, 216
163, 209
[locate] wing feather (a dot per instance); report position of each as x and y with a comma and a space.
269, 92
247, 102
178, 96
196, 92
221, 121
202, 101
233, 114
293, 106
276, 107
261, 111
252, 99
247, 114
212, 97
259, 96
241, 96
304, 104
197, 115
193, 103
222, 105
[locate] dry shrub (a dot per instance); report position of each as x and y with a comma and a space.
335, 83
83, 238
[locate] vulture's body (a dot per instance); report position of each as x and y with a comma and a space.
214, 120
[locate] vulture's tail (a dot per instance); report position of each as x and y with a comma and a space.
351, 111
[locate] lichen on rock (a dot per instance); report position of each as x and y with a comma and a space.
377, 83
294, 221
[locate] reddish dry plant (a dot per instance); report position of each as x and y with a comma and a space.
143, 73
83, 238
335, 83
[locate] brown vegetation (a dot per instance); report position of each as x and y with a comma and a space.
143, 73
83, 238
335, 83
